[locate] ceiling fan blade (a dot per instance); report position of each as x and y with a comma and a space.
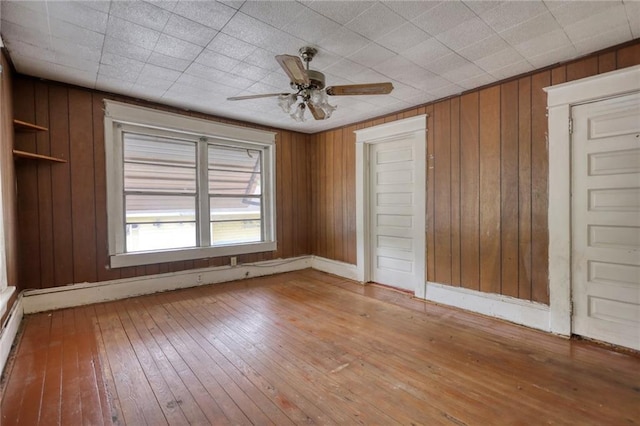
292, 65
266, 95
360, 89
317, 113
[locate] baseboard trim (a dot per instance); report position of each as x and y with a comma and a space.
86, 293
523, 312
335, 267
9, 331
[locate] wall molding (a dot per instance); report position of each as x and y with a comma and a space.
523, 312
86, 293
9, 331
335, 267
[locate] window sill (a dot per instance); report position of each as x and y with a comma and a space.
149, 258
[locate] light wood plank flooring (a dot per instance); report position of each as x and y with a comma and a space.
306, 348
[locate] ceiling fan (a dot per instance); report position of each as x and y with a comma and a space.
310, 91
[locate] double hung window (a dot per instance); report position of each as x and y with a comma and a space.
181, 188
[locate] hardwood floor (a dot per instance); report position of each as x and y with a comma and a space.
305, 347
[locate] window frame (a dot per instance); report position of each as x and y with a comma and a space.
119, 117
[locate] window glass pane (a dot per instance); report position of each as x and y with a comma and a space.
159, 208
234, 183
159, 178
160, 236
159, 150
234, 208
234, 159
236, 232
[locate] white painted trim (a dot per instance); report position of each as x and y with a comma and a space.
342, 269
524, 312
410, 127
9, 332
5, 295
86, 293
560, 99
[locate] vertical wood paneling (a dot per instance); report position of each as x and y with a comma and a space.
442, 191
286, 206
509, 187
490, 243
583, 68
606, 62
350, 175
338, 194
524, 188
455, 191
539, 188
26, 172
82, 186
628, 56
45, 200
469, 192
61, 186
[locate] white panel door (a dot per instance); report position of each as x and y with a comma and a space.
392, 214
606, 220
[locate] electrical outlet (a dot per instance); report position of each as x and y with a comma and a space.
234, 261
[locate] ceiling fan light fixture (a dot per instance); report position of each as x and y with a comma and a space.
286, 102
298, 114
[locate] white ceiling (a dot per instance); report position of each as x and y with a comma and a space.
195, 54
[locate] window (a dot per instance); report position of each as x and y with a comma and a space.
182, 188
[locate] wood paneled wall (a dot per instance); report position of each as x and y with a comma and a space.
62, 207
487, 179
8, 215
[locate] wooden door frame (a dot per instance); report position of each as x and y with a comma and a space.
560, 100
414, 126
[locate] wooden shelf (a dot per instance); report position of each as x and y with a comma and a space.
30, 155
23, 126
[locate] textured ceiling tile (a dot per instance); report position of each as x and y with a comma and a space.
211, 14
214, 77
263, 58
165, 61
124, 75
482, 48
478, 81
155, 72
445, 63
277, 14
141, 13
18, 49
132, 33
341, 12
277, 79
260, 34
128, 50
100, 5
480, 7
171, 46
512, 13
217, 60
72, 75
568, 12
113, 85
446, 91
346, 69
633, 15
546, 42
411, 9
78, 13
311, 26
158, 83
188, 30
233, 3
465, 34
535, 27
554, 56
443, 17
403, 38
19, 13
250, 72
344, 42
427, 52
372, 55
512, 70
504, 58
400, 68
147, 92
70, 49
231, 46
76, 35
368, 23
34, 36
601, 40
604, 21
463, 72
